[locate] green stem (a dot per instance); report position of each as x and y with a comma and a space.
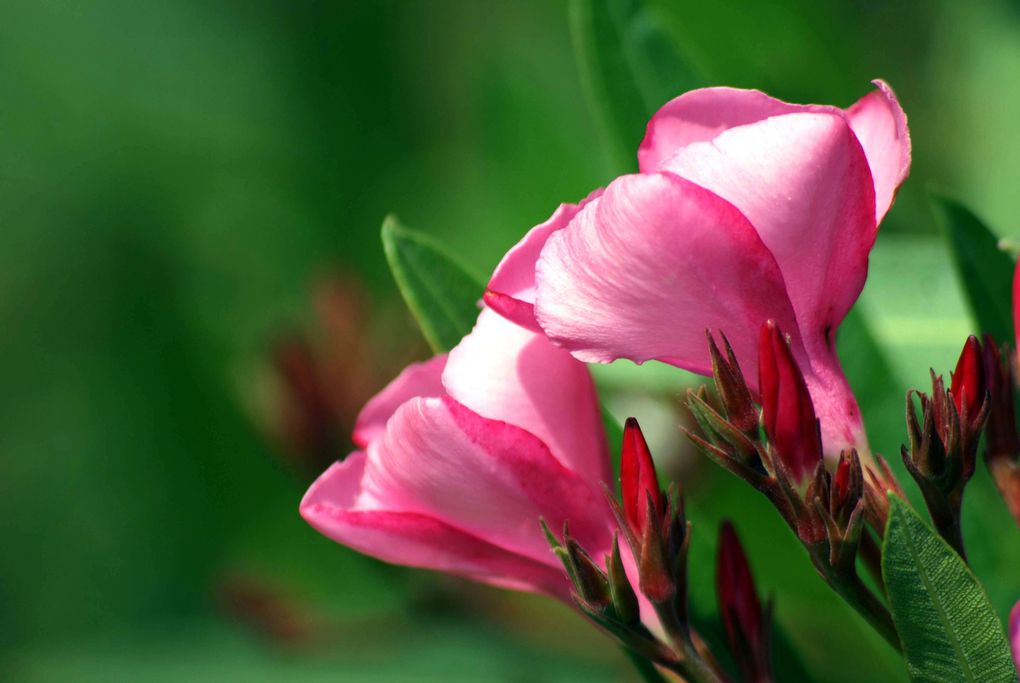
692, 666
949, 529
871, 555
857, 595
645, 668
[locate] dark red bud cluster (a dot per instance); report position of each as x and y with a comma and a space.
783, 459
944, 438
657, 534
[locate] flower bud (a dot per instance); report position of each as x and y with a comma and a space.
787, 410
656, 572
729, 382
967, 385
625, 600
590, 582
638, 481
847, 487
745, 623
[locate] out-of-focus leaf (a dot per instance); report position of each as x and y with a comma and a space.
878, 390
986, 272
629, 68
645, 669
423, 650
947, 626
441, 294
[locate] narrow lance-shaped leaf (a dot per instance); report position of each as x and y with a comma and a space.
985, 270
878, 388
442, 295
629, 68
947, 626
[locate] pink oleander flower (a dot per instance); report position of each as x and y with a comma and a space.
745, 209
1014, 633
460, 457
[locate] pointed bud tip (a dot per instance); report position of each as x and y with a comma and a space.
967, 385
638, 479
788, 411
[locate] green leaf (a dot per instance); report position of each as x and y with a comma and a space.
645, 669
629, 68
947, 626
441, 294
985, 270
878, 389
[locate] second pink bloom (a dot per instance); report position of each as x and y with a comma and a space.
463, 454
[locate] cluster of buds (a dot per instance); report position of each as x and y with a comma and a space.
657, 539
778, 450
1002, 445
944, 439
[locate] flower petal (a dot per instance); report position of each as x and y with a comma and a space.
417, 540
700, 115
417, 379
488, 478
505, 372
1014, 633
881, 127
511, 291
643, 271
803, 181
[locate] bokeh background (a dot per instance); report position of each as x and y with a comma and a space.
194, 302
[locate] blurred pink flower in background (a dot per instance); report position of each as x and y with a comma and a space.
746, 209
1014, 633
462, 454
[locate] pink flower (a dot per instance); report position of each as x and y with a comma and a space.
462, 455
746, 209
1014, 633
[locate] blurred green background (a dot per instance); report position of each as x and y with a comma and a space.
190, 197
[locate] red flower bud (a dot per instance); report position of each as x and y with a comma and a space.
746, 627
968, 381
847, 487
787, 410
638, 480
